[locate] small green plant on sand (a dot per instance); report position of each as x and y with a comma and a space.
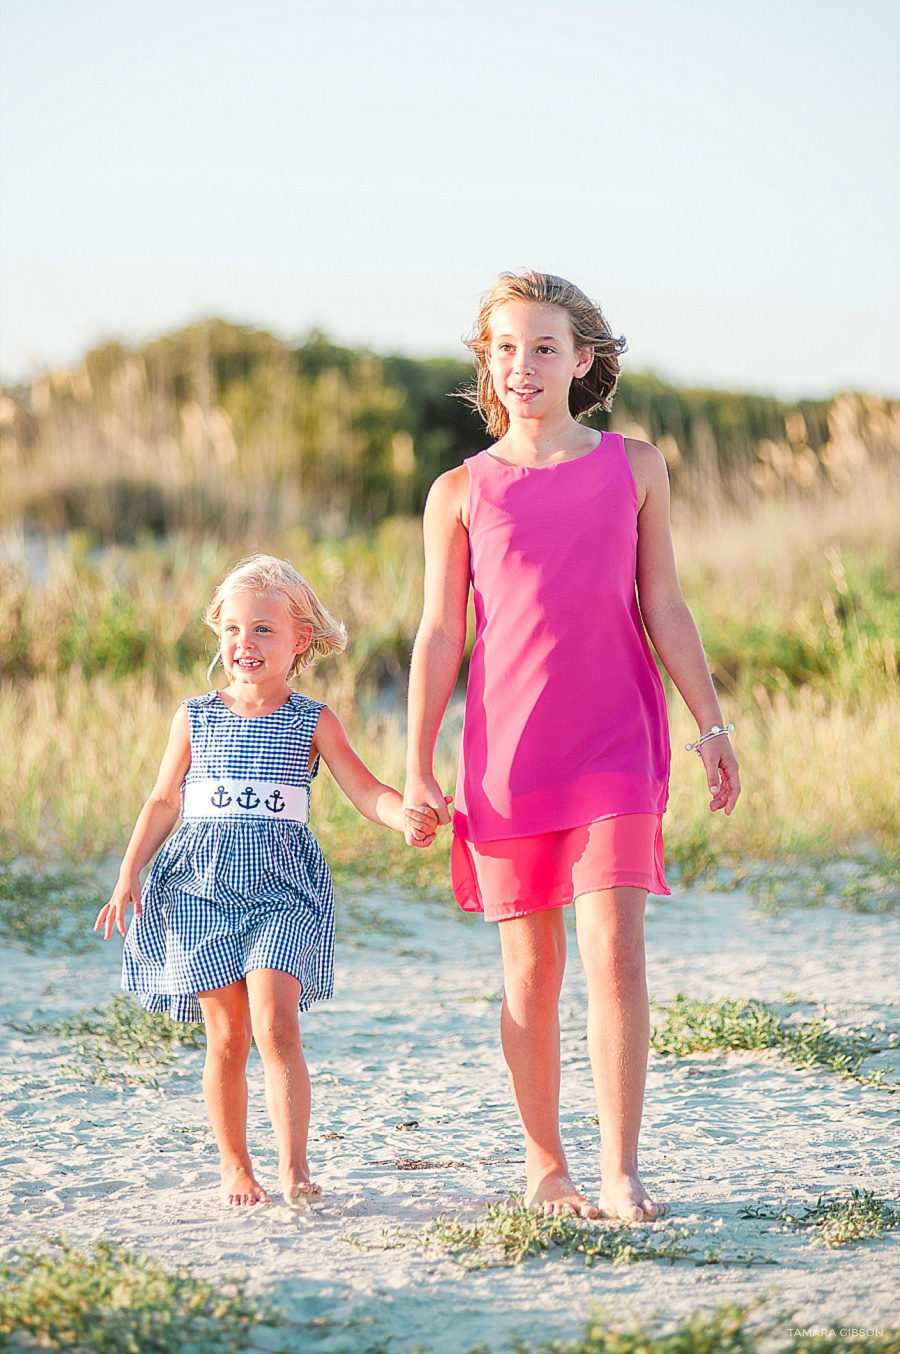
692, 1026
115, 1042
836, 1222
53, 910
508, 1233
869, 885
730, 1328
111, 1301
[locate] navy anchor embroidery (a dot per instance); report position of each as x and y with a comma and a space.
247, 799
221, 799
276, 802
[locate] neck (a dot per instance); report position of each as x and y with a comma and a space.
531, 441
257, 699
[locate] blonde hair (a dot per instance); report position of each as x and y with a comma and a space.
589, 330
265, 573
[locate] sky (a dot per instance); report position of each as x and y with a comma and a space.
723, 176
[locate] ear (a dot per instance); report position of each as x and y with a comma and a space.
304, 635
584, 361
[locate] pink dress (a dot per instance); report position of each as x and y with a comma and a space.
565, 724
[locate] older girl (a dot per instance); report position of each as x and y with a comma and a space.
563, 535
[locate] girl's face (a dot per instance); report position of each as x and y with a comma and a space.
259, 638
533, 359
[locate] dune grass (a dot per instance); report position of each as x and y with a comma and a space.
508, 1233
729, 1328
118, 1043
111, 1301
837, 1221
691, 1026
798, 601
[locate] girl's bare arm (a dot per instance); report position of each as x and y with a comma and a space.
155, 821
670, 624
441, 636
374, 800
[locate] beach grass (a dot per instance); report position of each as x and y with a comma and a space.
838, 1221
50, 910
729, 1328
111, 1301
798, 600
688, 1026
118, 1043
508, 1233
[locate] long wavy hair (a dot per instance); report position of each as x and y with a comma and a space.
590, 329
265, 573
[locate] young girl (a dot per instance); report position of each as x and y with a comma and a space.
565, 758
236, 922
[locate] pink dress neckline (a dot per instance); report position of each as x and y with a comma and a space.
552, 465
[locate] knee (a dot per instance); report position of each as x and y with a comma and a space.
615, 951
228, 1041
534, 976
276, 1031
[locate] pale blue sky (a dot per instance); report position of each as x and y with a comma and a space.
723, 175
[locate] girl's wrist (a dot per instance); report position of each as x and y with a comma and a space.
708, 719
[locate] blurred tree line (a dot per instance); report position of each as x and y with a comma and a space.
228, 428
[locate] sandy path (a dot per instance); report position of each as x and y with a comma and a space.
412, 1038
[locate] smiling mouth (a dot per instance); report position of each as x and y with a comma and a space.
250, 663
524, 391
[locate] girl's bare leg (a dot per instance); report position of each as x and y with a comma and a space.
534, 959
226, 1012
610, 927
273, 1006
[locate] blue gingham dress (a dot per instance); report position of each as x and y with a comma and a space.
226, 895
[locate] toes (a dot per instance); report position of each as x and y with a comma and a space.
303, 1194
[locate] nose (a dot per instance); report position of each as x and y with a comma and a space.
523, 363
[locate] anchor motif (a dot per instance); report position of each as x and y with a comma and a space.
247, 798
276, 802
221, 799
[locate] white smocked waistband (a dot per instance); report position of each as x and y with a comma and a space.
245, 799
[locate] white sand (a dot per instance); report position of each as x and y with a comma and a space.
412, 1036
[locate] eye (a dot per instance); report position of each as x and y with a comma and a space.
264, 629
545, 348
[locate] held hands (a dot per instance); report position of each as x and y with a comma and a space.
420, 823
112, 914
424, 811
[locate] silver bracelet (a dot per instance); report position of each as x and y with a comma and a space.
715, 732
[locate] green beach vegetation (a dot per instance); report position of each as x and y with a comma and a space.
688, 1026
112, 1301
134, 480
508, 1233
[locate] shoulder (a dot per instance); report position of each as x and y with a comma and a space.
329, 731
304, 710
200, 702
447, 504
451, 489
648, 467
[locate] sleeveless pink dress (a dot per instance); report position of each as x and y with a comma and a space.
564, 768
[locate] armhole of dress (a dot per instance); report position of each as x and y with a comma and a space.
473, 503
314, 769
191, 716
630, 472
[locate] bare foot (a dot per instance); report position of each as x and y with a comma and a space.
299, 1191
624, 1197
239, 1188
556, 1197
